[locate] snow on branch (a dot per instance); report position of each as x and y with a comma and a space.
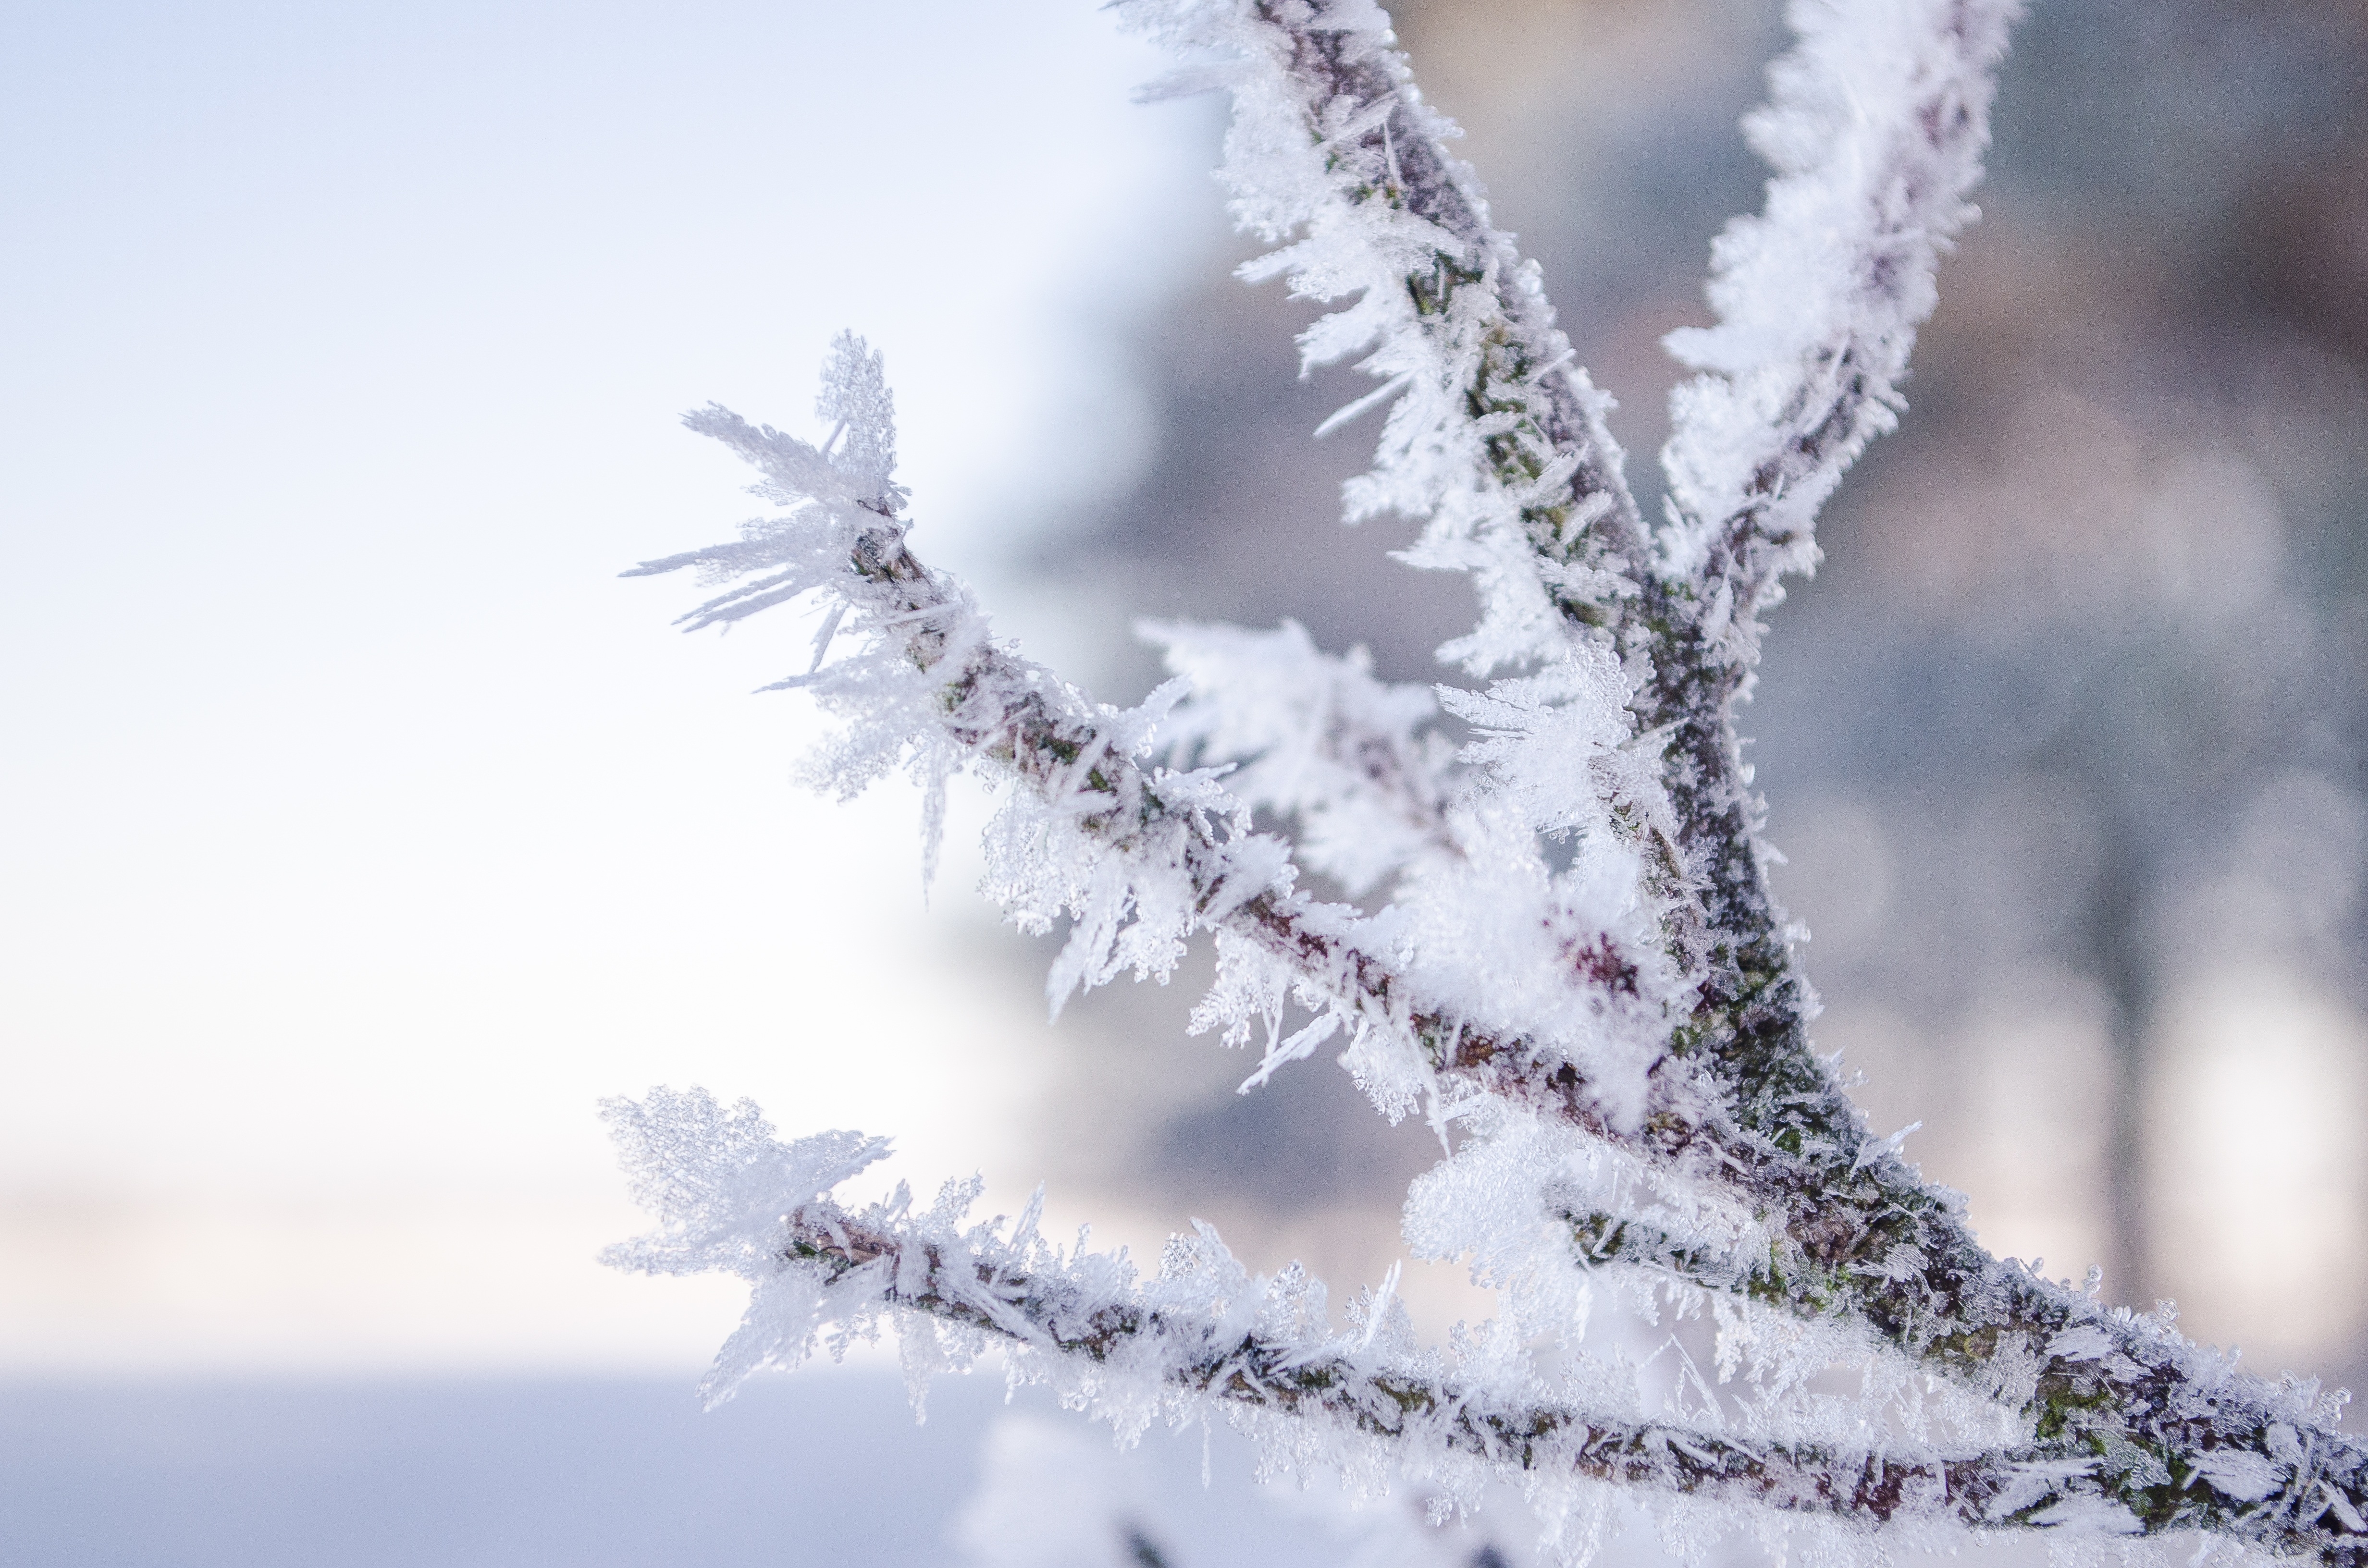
1204, 1333
1496, 437
1876, 127
1568, 958
1313, 736
1140, 860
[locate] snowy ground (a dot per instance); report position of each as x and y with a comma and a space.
827, 1467
823, 1468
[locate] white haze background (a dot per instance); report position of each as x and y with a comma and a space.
358, 827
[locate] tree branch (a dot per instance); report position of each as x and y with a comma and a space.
1206, 1331
1861, 1236
1624, 738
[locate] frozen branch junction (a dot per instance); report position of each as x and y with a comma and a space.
1567, 961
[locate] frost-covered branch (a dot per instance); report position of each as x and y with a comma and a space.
2155, 1414
1575, 960
1879, 118
1313, 737
1876, 127
1878, 122
1205, 1332
1496, 437
1141, 859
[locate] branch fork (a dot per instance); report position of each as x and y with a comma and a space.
1621, 1030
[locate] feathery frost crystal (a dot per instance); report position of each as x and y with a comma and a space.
1567, 960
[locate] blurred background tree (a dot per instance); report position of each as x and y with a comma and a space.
2065, 744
